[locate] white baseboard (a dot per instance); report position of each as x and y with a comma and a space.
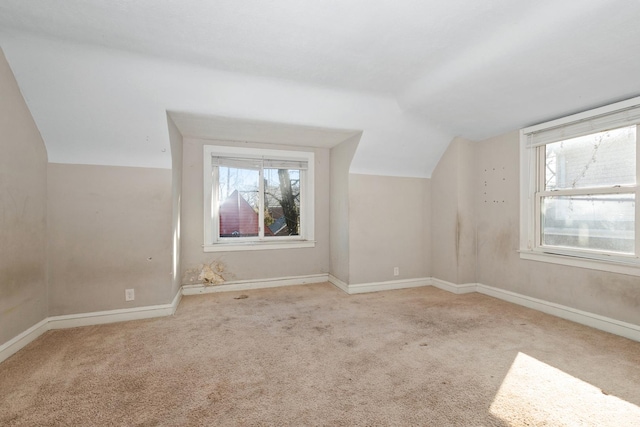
607, 324
16, 343
244, 285
603, 323
86, 319
361, 288
113, 316
176, 301
339, 284
452, 287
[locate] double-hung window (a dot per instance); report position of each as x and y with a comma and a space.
579, 189
257, 199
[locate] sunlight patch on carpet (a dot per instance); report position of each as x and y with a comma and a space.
534, 393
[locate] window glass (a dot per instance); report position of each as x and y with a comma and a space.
282, 202
602, 159
594, 222
257, 199
579, 186
239, 192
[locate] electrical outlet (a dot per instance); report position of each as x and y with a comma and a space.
396, 271
129, 295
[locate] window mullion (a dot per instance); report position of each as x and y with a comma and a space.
539, 188
303, 191
538, 221
588, 191
214, 213
261, 205
542, 172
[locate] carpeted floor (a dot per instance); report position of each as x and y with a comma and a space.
312, 355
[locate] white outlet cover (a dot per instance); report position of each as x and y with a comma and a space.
129, 295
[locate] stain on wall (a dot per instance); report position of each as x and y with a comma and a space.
444, 216
453, 221
608, 294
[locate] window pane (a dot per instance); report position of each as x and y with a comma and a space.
282, 202
598, 222
238, 202
602, 159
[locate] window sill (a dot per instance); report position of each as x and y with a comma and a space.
258, 246
613, 266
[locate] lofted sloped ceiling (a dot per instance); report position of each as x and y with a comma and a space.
99, 76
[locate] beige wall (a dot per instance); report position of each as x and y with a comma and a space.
497, 200
23, 233
250, 265
466, 218
341, 156
109, 230
388, 227
475, 235
175, 138
75, 236
452, 214
607, 294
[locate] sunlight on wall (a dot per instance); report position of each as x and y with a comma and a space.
534, 393
176, 247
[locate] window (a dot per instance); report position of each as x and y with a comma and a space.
579, 189
257, 199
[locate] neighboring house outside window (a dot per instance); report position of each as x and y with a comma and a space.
257, 199
579, 190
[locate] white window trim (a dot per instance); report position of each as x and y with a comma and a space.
211, 203
529, 221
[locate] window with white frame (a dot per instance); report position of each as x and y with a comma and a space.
257, 199
579, 189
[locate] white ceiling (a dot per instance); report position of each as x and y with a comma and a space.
410, 74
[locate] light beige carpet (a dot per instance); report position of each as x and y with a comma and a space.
312, 355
